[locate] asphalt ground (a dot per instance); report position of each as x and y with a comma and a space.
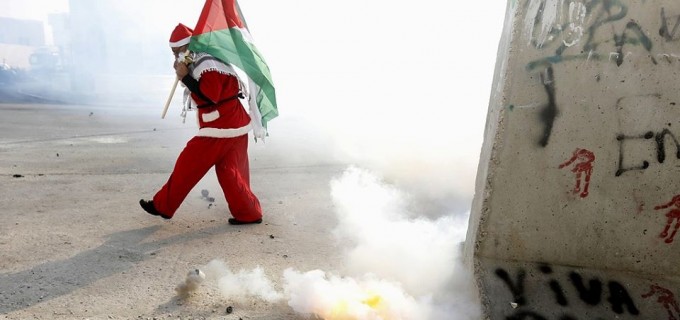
74, 243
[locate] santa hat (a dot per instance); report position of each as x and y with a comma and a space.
180, 36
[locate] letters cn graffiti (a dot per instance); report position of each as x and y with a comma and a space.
660, 138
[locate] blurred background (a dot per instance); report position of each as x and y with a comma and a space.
397, 87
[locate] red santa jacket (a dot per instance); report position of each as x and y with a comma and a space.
215, 89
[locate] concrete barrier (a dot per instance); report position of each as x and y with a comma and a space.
577, 199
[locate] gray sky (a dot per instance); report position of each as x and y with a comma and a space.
32, 9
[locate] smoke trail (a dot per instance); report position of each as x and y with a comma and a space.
191, 283
417, 260
241, 285
398, 265
389, 238
332, 297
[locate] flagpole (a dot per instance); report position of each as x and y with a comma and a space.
167, 103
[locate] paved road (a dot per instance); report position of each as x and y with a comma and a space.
74, 243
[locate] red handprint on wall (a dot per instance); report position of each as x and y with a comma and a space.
584, 166
666, 298
672, 215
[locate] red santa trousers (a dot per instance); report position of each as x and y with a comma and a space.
230, 158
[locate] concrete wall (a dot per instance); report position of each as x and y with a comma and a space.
579, 175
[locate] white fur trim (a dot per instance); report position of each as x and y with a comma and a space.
204, 62
223, 133
180, 42
210, 116
259, 131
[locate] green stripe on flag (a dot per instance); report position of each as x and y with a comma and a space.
229, 45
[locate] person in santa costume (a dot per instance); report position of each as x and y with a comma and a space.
214, 89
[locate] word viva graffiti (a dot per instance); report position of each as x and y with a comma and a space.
590, 292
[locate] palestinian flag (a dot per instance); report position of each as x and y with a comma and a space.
221, 31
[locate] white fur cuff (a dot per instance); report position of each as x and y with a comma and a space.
223, 133
210, 116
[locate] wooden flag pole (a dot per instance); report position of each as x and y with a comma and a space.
172, 93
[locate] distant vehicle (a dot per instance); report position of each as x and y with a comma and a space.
7, 74
45, 60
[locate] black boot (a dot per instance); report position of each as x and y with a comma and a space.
239, 222
149, 207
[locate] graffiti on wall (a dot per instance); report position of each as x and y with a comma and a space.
560, 27
593, 30
588, 30
672, 219
670, 34
582, 160
578, 293
659, 139
665, 298
549, 110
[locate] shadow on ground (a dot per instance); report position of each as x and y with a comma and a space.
120, 252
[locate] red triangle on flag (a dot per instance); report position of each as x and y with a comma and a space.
218, 15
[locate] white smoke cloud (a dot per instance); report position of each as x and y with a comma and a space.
333, 297
241, 285
191, 283
398, 265
417, 252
